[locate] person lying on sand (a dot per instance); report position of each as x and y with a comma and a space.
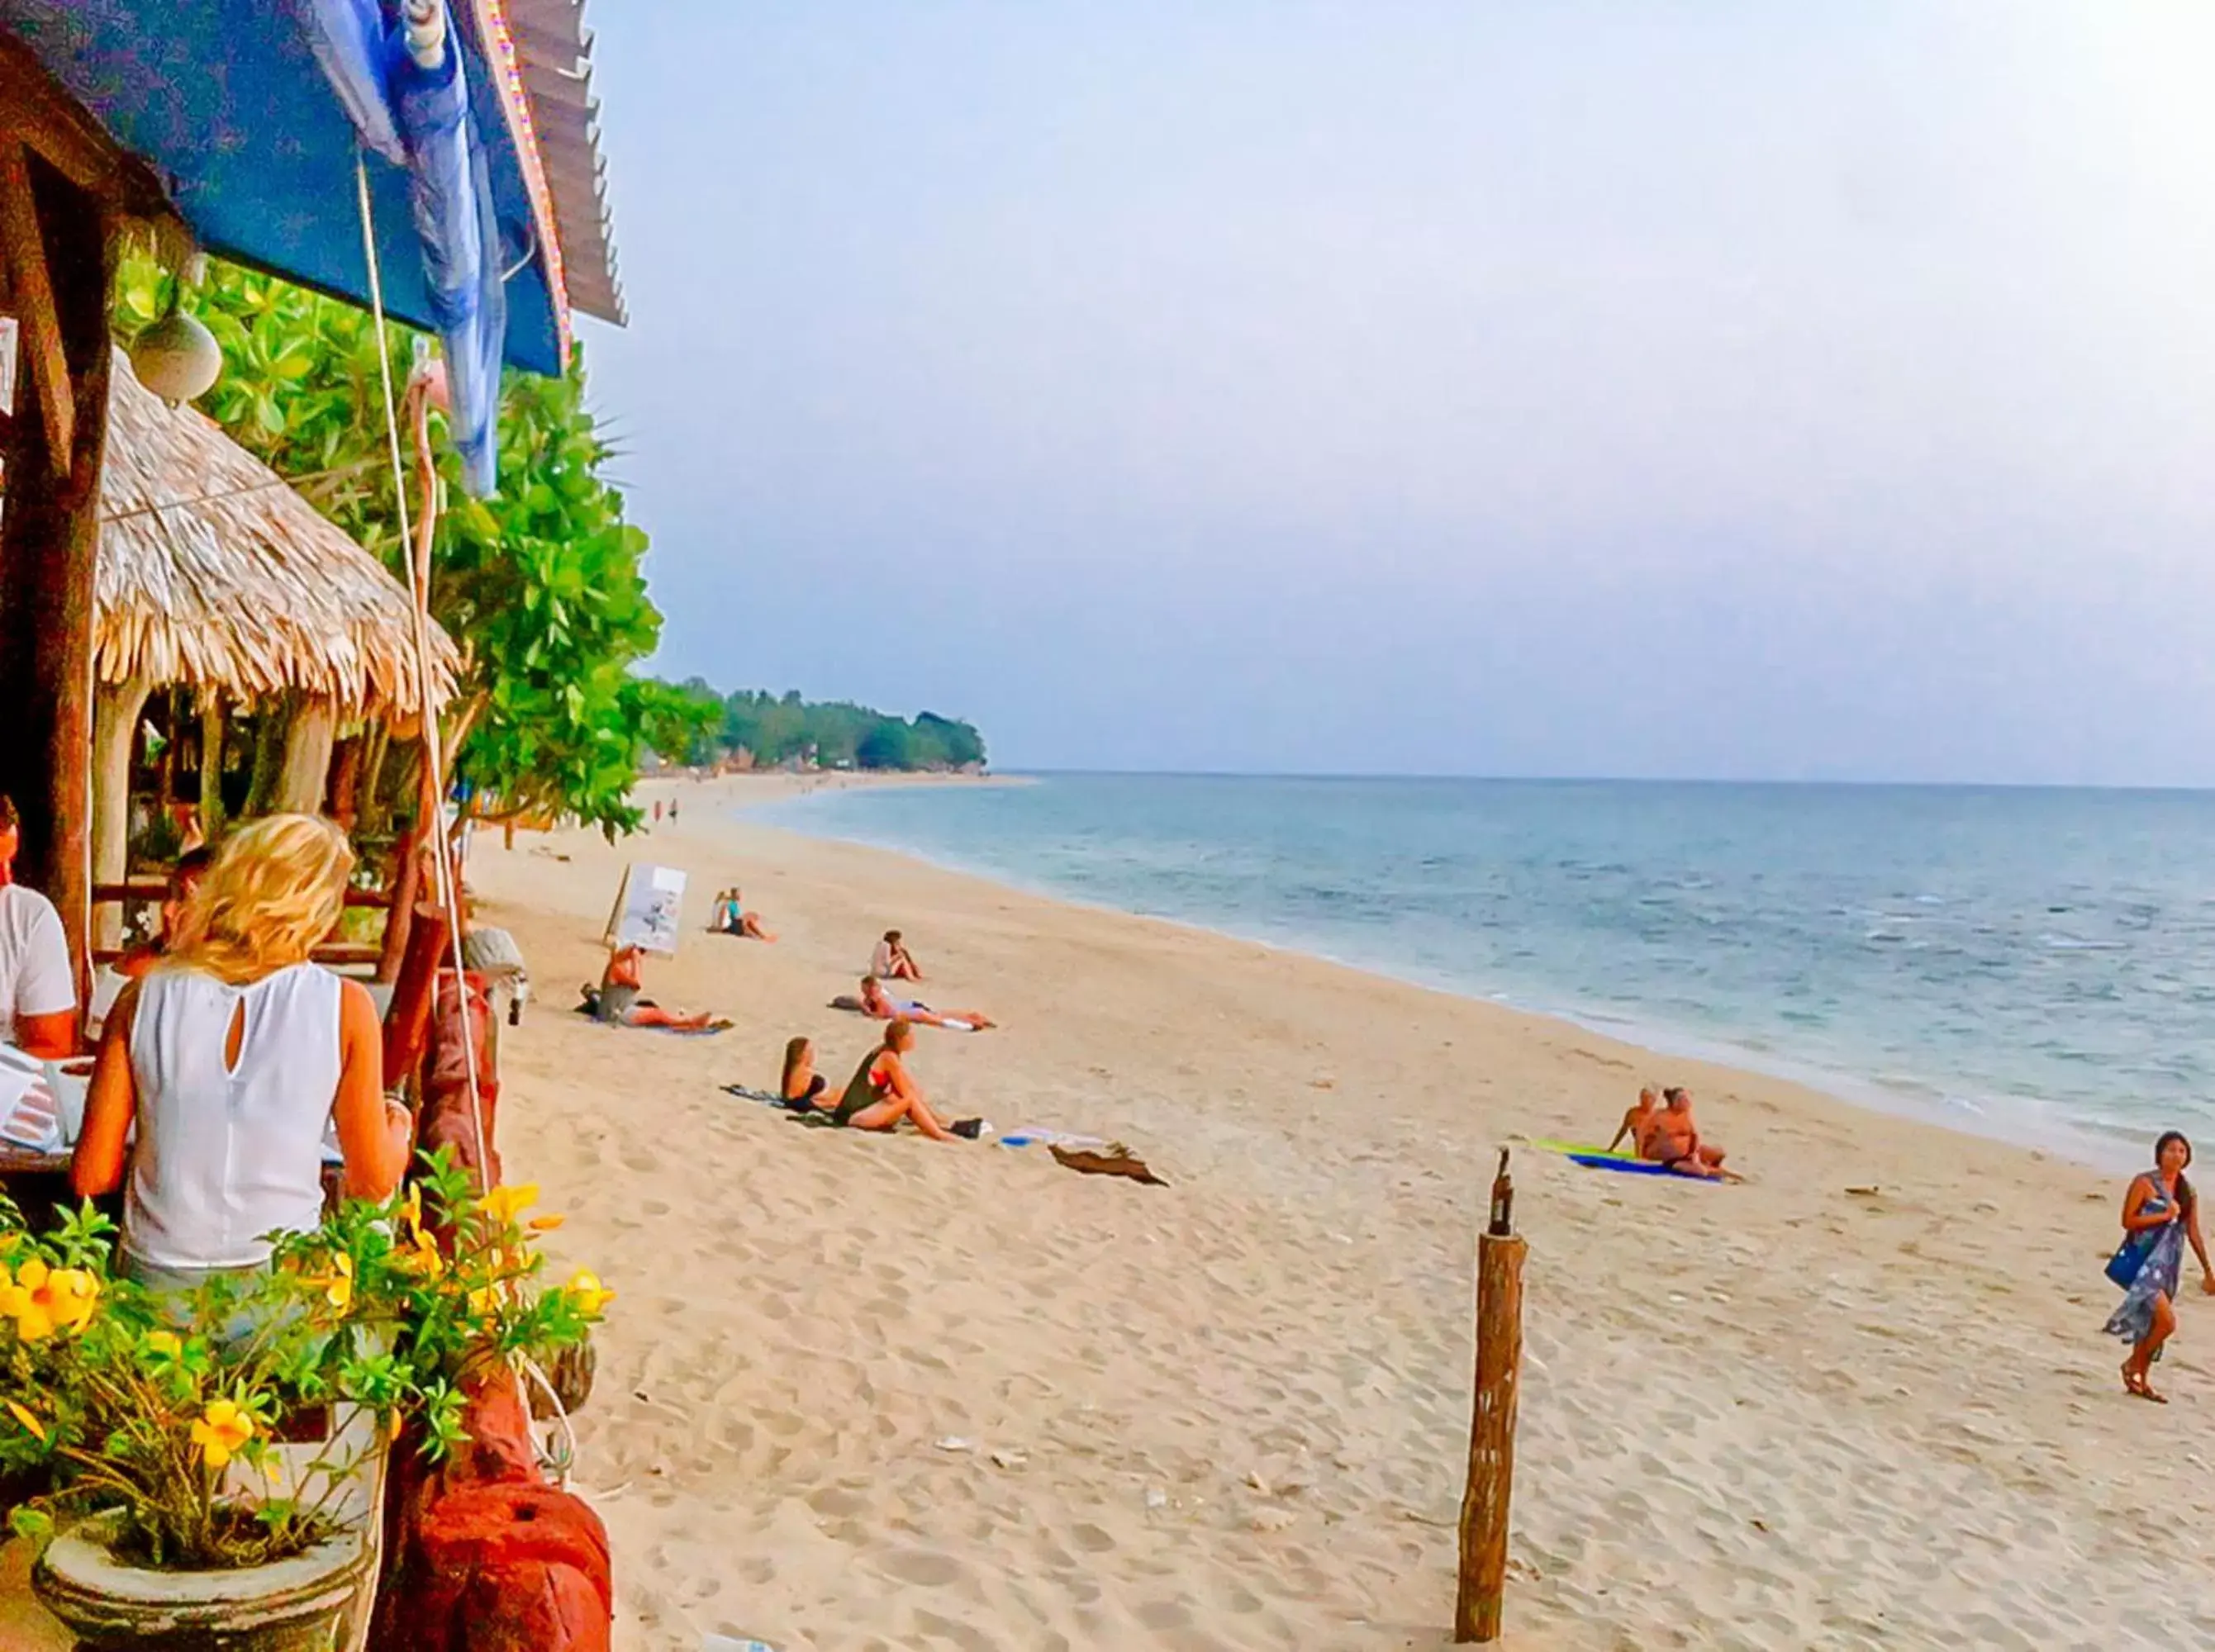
620, 1003
802, 1087
882, 1091
892, 961
731, 919
881, 1004
1638, 1122
1672, 1141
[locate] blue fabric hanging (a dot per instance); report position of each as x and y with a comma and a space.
419, 117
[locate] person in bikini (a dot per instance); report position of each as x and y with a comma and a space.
892, 961
882, 1091
619, 1002
733, 918
876, 1001
1672, 1141
1638, 1122
802, 1087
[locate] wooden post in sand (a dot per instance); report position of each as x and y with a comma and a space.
1492, 1429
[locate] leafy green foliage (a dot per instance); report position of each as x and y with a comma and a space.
153, 1404
541, 584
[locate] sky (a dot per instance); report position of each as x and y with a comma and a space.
1727, 390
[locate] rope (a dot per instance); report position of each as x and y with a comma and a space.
433, 753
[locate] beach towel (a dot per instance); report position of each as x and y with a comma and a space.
1630, 1164
1115, 1159
590, 1010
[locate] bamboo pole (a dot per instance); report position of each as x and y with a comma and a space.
1491, 1435
211, 738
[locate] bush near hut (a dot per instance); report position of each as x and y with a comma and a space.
541, 584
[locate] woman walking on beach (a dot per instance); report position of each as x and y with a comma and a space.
2160, 1214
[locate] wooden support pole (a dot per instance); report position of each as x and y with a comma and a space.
303, 772
211, 742
1491, 1438
23, 246
49, 541
407, 861
117, 707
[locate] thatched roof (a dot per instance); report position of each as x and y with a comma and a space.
213, 571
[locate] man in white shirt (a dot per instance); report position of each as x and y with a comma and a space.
38, 990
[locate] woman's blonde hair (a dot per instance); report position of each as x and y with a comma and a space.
276, 888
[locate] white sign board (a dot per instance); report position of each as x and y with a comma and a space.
649, 909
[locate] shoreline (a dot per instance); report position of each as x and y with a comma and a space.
2088, 1147
862, 1390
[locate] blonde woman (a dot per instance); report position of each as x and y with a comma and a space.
231, 1057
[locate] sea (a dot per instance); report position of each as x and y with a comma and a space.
2033, 965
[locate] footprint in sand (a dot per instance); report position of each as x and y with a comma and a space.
925, 1567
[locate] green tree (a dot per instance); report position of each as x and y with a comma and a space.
541, 584
885, 745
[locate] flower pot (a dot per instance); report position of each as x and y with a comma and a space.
289, 1605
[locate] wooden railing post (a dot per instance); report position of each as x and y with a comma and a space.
1484, 1503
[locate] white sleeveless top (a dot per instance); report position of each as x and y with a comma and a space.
227, 1154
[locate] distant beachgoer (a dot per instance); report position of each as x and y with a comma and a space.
184, 877
892, 961
882, 1091
731, 918
2160, 1216
879, 1003
802, 1087
1672, 1140
38, 988
620, 1002
672, 811
1638, 1122
657, 811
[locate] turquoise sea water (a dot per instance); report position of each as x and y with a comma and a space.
2034, 965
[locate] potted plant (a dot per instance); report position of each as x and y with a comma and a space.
174, 1520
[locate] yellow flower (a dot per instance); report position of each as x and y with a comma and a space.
591, 1295
222, 1432
504, 1204
24, 1416
165, 1344
419, 1254
338, 1284
545, 1224
44, 1299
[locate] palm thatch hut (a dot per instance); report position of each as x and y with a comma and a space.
213, 573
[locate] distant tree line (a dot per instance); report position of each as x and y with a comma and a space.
691, 723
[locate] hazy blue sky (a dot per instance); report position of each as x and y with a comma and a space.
1637, 388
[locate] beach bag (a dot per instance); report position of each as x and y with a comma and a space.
2130, 1259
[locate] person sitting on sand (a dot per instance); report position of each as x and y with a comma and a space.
877, 1002
2160, 1214
882, 1091
731, 918
1672, 1141
1638, 1122
892, 961
802, 1087
619, 1002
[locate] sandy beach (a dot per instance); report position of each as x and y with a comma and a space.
863, 1392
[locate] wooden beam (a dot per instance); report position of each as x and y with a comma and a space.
23, 247
49, 541
36, 110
